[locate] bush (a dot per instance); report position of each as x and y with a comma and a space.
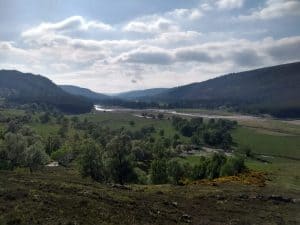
142, 177
35, 156
5, 164
233, 166
14, 146
175, 171
199, 171
64, 156
158, 171
52, 143
247, 151
214, 166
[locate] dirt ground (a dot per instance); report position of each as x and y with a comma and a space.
60, 196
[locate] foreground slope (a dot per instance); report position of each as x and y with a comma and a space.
20, 87
59, 196
273, 90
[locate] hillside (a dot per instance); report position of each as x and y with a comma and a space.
273, 90
141, 94
22, 88
84, 92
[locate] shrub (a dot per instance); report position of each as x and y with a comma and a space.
142, 177
35, 156
158, 171
199, 171
175, 171
233, 166
214, 166
64, 156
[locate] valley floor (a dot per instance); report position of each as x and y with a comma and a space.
61, 196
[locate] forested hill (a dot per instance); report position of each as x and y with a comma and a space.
84, 92
20, 87
274, 90
140, 94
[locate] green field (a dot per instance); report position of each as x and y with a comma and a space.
268, 144
282, 173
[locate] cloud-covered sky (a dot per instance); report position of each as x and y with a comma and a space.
121, 45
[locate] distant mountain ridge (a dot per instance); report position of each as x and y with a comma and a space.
22, 88
84, 92
274, 90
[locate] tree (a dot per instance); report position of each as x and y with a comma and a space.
64, 156
196, 139
196, 122
64, 128
214, 165
161, 132
52, 144
187, 130
226, 140
141, 151
13, 126
199, 171
91, 160
160, 116
159, 150
247, 151
175, 171
35, 156
158, 171
45, 117
75, 120
15, 145
119, 160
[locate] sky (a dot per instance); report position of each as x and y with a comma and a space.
121, 45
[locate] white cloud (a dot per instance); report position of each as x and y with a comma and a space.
71, 24
153, 24
183, 14
229, 4
239, 52
206, 6
275, 9
169, 21
176, 38
146, 55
